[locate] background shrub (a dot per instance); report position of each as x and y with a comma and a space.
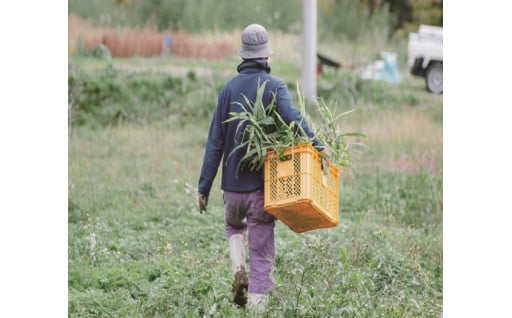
109, 96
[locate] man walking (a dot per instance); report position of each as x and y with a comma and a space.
243, 189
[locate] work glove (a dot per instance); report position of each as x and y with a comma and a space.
203, 202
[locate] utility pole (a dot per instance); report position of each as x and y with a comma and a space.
309, 63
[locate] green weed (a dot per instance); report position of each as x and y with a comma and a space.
112, 96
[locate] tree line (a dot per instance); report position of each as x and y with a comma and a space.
336, 18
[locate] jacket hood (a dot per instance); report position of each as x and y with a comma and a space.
257, 64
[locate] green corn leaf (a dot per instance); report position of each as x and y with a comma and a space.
354, 134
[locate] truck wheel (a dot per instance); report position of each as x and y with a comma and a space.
434, 78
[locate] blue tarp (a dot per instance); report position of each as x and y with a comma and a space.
385, 69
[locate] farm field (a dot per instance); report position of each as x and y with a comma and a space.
138, 247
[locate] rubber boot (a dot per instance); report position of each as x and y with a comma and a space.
237, 252
241, 283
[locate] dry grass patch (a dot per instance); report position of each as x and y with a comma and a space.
145, 42
406, 141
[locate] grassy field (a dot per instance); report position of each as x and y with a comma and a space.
138, 247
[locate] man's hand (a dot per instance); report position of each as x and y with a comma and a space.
326, 155
203, 202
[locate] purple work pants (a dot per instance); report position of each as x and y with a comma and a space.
244, 212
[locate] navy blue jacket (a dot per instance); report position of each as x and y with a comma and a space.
222, 138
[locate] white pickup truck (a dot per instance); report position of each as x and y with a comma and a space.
425, 56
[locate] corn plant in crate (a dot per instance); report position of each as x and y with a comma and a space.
264, 130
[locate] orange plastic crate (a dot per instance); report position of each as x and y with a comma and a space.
298, 192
